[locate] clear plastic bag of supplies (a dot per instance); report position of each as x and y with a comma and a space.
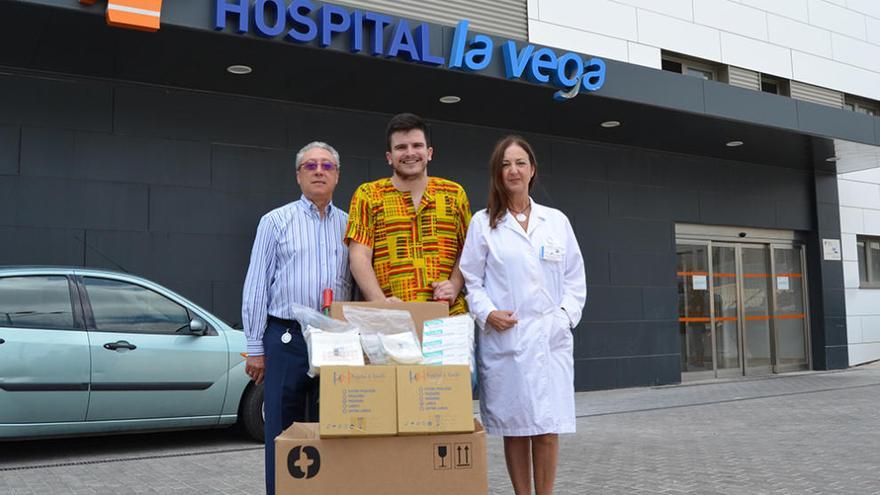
332, 349
330, 342
388, 336
449, 341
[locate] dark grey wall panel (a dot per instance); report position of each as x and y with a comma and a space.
28, 246
62, 104
199, 117
824, 120
227, 301
665, 89
660, 303
10, 137
737, 208
750, 106
653, 202
49, 202
648, 370
579, 161
642, 268
165, 257
611, 303
351, 133
249, 170
107, 157
201, 211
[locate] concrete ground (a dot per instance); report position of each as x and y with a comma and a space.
805, 433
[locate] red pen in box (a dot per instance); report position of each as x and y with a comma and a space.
327, 300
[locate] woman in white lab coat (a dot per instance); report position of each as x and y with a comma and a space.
526, 289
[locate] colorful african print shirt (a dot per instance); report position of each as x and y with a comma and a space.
411, 250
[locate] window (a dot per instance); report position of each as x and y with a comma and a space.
36, 302
860, 105
124, 307
689, 67
869, 261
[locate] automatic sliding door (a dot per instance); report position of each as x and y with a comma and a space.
693, 310
756, 308
790, 308
725, 309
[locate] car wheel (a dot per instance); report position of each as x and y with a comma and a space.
251, 416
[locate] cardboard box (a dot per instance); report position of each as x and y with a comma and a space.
426, 465
434, 399
420, 311
358, 401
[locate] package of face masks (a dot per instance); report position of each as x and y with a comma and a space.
332, 349
449, 341
388, 336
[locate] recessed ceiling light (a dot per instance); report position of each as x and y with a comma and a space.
832, 159
239, 69
733, 144
608, 124
450, 99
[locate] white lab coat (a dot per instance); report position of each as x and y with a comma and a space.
526, 372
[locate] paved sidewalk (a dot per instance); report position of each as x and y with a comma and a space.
810, 433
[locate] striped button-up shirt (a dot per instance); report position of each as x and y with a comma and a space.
296, 255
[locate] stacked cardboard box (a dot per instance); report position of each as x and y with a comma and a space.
441, 447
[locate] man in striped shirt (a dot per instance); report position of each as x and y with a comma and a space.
297, 253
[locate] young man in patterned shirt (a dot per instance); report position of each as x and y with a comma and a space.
405, 233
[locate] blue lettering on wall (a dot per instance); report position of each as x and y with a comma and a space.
304, 23
298, 13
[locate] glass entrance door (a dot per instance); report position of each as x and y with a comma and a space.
790, 309
742, 308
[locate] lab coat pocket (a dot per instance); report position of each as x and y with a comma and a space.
503, 343
560, 335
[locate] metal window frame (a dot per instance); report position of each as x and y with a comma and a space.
872, 280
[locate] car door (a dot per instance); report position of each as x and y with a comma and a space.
44, 353
146, 364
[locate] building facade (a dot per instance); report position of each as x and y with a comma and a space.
720, 223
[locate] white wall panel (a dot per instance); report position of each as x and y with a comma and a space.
858, 194
852, 220
868, 7
855, 52
679, 36
837, 75
854, 329
683, 9
740, 51
871, 329
863, 353
578, 41
596, 16
848, 246
732, 17
798, 35
851, 274
533, 9
862, 302
794, 9
871, 175
835, 18
648, 56
873, 27
872, 225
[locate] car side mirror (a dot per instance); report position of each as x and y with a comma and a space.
198, 326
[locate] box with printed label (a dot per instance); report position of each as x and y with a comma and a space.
434, 399
358, 401
427, 465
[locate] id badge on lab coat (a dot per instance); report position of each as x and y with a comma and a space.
552, 250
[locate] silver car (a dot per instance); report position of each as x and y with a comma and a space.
86, 351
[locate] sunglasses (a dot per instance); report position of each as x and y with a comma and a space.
312, 165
